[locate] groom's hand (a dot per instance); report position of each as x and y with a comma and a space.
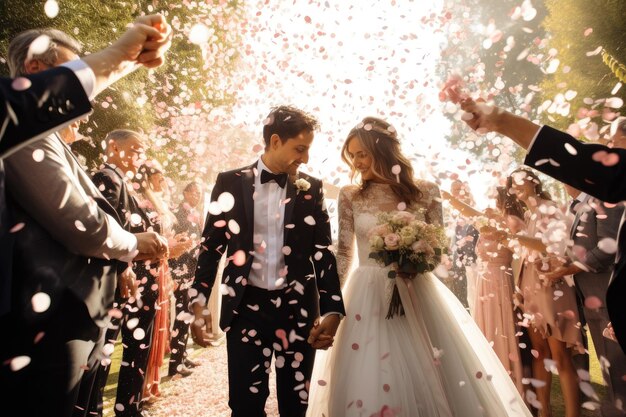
322, 336
197, 326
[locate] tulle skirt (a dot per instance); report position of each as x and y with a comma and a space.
433, 361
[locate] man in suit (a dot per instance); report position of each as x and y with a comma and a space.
66, 240
280, 275
597, 170
124, 154
594, 223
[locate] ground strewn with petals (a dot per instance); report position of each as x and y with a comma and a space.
205, 392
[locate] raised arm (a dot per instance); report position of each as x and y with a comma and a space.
484, 118
465, 209
592, 168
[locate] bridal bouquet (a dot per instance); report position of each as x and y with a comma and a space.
413, 246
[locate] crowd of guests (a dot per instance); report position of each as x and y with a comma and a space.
534, 271
153, 316
92, 257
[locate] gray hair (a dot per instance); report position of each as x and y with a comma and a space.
19, 48
120, 136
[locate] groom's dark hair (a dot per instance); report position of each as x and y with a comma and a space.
287, 122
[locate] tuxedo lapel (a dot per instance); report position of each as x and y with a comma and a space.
579, 212
289, 206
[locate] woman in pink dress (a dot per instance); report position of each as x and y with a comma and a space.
549, 307
495, 287
494, 306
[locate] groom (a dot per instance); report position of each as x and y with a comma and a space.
280, 275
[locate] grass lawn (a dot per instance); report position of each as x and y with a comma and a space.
558, 408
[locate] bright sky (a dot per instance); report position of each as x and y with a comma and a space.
342, 61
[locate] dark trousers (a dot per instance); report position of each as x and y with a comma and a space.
610, 355
180, 329
136, 325
58, 349
253, 338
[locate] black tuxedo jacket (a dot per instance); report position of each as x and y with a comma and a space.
600, 172
55, 99
111, 185
313, 284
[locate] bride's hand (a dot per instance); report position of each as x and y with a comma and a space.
405, 275
322, 336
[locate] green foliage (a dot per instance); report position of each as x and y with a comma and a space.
490, 49
192, 76
575, 30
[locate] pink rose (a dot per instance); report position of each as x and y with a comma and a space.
403, 217
422, 247
392, 241
380, 230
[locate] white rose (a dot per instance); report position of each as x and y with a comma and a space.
302, 184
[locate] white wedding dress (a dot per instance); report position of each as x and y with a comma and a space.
433, 361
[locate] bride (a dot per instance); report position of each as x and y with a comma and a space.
430, 361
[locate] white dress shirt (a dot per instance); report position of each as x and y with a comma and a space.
268, 264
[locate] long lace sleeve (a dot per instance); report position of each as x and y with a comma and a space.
345, 244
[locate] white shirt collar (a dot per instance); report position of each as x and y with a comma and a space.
261, 166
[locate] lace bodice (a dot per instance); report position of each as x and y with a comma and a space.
357, 216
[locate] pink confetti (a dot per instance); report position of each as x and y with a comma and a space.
239, 258
21, 84
282, 335
607, 159
17, 227
593, 302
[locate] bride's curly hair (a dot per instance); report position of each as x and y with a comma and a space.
380, 140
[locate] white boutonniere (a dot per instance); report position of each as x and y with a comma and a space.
302, 185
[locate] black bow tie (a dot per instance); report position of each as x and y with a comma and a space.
280, 179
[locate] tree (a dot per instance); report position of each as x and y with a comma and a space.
192, 77
489, 45
577, 34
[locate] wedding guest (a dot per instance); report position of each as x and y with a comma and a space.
591, 168
124, 154
188, 221
153, 195
550, 309
462, 280
494, 307
65, 256
595, 224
